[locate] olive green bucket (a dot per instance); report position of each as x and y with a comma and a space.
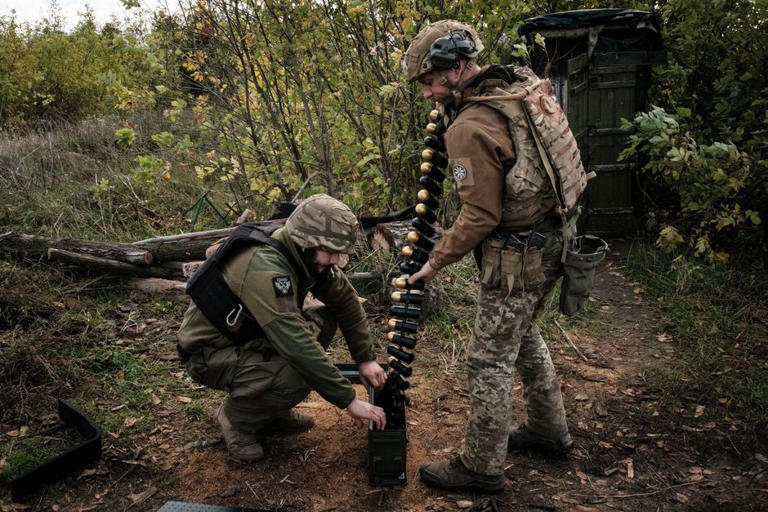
584, 255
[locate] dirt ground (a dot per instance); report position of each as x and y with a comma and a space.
628, 455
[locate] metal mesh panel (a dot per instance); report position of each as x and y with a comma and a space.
181, 506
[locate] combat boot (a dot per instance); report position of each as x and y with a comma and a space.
288, 423
241, 447
522, 438
453, 475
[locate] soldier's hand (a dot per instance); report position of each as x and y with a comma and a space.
363, 411
371, 374
427, 273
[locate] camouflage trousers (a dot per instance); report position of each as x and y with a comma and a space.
506, 338
262, 385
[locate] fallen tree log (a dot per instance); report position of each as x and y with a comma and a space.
107, 265
188, 246
16, 245
169, 249
171, 257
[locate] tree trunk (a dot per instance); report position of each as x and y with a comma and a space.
13, 245
189, 246
106, 265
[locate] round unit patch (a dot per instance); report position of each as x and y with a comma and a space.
459, 172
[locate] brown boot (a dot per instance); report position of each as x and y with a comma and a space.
241, 447
453, 475
522, 438
288, 423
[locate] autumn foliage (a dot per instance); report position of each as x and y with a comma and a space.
264, 100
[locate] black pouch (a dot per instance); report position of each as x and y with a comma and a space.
584, 255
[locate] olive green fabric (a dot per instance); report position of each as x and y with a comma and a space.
262, 387
289, 338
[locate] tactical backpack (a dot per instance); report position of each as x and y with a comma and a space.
216, 300
552, 134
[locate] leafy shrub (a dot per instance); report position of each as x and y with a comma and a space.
707, 178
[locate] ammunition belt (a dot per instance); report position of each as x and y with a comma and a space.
406, 311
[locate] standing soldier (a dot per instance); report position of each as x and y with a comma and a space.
510, 211
245, 332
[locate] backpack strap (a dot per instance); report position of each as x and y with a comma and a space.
216, 300
560, 208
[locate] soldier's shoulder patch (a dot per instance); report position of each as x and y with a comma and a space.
282, 286
459, 171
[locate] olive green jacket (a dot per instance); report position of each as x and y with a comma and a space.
251, 275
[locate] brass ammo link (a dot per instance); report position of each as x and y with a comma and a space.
407, 298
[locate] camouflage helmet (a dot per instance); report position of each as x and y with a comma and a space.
460, 39
321, 221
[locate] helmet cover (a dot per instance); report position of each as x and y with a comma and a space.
417, 59
323, 222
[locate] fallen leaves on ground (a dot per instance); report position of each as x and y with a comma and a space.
141, 497
20, 432
86, 473
11, 507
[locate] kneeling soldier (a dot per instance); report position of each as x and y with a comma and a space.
245, 331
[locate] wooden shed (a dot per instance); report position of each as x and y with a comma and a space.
599, 61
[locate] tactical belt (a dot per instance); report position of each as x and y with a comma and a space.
521, 240
536, 235
216, 300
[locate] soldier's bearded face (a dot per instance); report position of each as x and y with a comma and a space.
325, 259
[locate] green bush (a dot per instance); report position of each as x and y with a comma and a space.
707, 179
707, 142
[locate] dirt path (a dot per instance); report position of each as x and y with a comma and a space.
628, 454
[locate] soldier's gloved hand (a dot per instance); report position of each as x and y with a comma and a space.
427, 273
363, 411
371, 374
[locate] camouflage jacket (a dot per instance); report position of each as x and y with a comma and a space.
254, 275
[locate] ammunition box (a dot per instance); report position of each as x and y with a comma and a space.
387, 450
